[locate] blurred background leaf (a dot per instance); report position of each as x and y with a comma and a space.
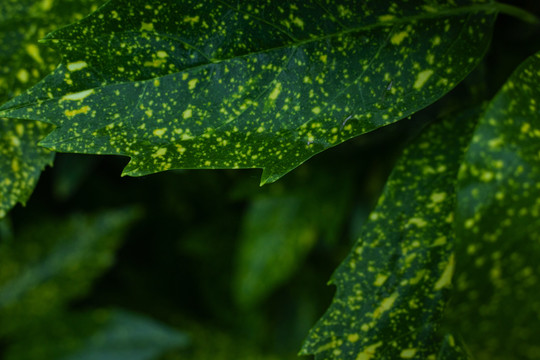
53, 261
97, 335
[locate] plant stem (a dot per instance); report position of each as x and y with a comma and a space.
517, 13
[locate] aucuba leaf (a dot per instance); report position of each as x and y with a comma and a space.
496, 304
190, 84
392, 287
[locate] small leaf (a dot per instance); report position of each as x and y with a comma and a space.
98, 335
496, 305
180, 84
55, 261
391, 287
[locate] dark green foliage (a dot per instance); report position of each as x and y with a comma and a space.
208, 264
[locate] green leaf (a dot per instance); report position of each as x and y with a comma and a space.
53, 262
391, 289
281, 226
98, 335
23, 63
496, 305
215, 85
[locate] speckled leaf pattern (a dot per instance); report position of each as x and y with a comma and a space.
392, 288
213, 84
496, 305
22, 63
43, 273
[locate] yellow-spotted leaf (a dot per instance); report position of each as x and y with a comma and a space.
496, 305
393, 286
22, 64
216, 84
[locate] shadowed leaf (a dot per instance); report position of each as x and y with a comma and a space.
496, 304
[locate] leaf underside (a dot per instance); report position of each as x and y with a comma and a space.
392, 288
216, 85
496, 303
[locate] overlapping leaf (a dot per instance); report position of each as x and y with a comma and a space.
189, 84
52, 263
496, 305
391, 289
97, 335
23, 63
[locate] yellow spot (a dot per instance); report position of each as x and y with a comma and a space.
399, 37
77, 65
185, 76
159, 152
23, 75
33, 51
495, 143
180, 149
15, 165
82, 110
298, 22
160, 132
147, 26
438, 197
149, 112
421, 79
387, 17
192, 83
316, 110
162, 54
469, 223
207, 163
191, 19
187, 113
77, 96
46, 5
15, 141
418, 222
19, 129
408, 353
353, 338
525, 127
260, 129
380, 279
324, 58
440, 241
156, 82
446, 278
386, 305
436, 40
154, 63
369, 352
486, 176
275, 93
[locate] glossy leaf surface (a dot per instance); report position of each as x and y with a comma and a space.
217, 85
496, 304
392, 287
